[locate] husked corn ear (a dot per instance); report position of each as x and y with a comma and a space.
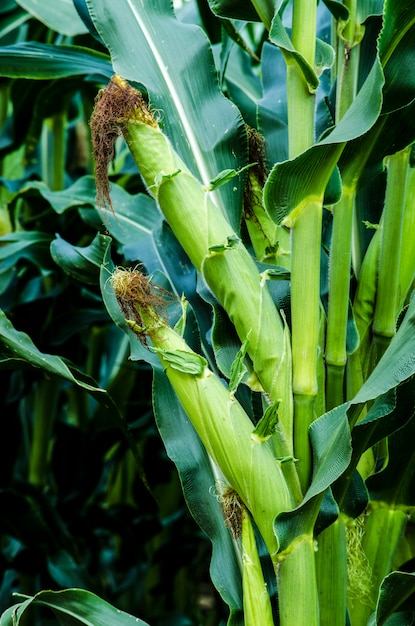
201, 228
220, 421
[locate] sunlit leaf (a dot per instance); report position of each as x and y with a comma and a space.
208, 136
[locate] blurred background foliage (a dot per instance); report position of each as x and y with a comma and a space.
78, 507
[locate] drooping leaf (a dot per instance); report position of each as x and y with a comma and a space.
83, 263
45, 61
74, 607
18, 351
395, 483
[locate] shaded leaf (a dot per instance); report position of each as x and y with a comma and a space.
82, 263
60, 15
45, 61
395, 589
72, 606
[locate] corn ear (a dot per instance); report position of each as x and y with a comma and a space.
220, 421
199, 225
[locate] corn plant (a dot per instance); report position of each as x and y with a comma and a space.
275, 302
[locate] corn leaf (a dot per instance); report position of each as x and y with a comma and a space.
81, 262
60, 16
208, 134
396, 588
72, 606
43, 61
396, 50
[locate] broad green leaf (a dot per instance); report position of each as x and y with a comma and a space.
174, 62
331, 443
395, 589
30, 245
368, 8
399, 19
83, 263
60, 15
82, 192
242, 84
72, 606
337, 9
272, 107
136, 222
45, 61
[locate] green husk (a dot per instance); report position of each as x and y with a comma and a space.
220, 421
201, 228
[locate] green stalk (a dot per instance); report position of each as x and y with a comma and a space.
305, 312
388, 296
363, 309
45, 401
296, 574
297, 584
301, 102
220, 421
341, 245
407, 263
350, 35
305, 240
339, 294
331, 561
